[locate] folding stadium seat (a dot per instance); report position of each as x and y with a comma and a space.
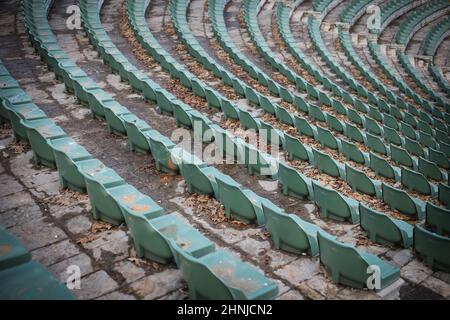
213, 100
198, 88
242, 203
391, 122
273, 87
164, 102
15, 253
208, 277
327, 139
430, 169
361, 107
334, 123
40, 133
301, 104
248, 121
383, 168
294, 183
324, 99
316, 113
32, 281
267, 105
375, 114
334, 205
26, 112
354, 116
296, 150
384, 229
304, 128
114, 112
402, 157
392, 136
444, 194
396, 113
425, 127
289, 232
284, 116
339, 107
439, 158
161, 148
408, 131
372, 126
433, 248
351, 152
353, 133
360, 182
376, 144
206, 125
348, 265
445, 148
135, 128
327, 164
442, 136
417, 182
257, 162
414, 147
286, 95
398, 199
409, 119
438, 218
152, 236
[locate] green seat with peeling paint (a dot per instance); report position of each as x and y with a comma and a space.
67, 153
433, 248
289, 232
221, 276
384, 229
348, 265
438, 218
242, 203
294, 183
334, 205
40, 132
400, 200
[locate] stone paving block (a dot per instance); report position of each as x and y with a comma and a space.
323, 285
79, 224
299, 270
415, 271
158, 284
438, 286
56, 252
95, 285
400, 257
20, 215
129, 271
291, 295
116, 295
8, 185
81, 260
15, 200
118, 249
179, 294
38, 233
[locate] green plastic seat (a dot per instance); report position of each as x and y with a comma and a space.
354, 116
360, 182
384, 229
439, 158
401, 156
289, 232
408, 131
199, 178
416, 181
438, 218
32, 281
67, 153
304, 127
334, 123
257, 162
39, 133
327, 164
284, 116
182, 114
334, 205
427, 140
12, 252
444, 194
161, 148
353, 133
114, 112
24, 111
296, 149
433, 248
294, 183
242, 203
248, 121
98, 179
352, 152
153, 236
348, 265
392, 136
398, 199
429, 169
372, 126
327, 139
316, 113
135, 128
414, 147
382, 168
219, 275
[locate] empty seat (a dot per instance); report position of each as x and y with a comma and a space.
348, 265
400, 200
352, 152
439, 158
416, 181
327, 164
289, 232
429, 169
444, 194
334, 205
296, 149
384, 229
438, 218
294, 183
433, 248
383, 168
376, 144
401, 156
327, 139
360, 182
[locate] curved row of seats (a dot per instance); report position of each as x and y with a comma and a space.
391, 10
158, 236
354, 10
435, 36
436, 74
418, 18
408, 142
300, 225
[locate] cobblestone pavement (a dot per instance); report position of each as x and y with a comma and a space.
58, 229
